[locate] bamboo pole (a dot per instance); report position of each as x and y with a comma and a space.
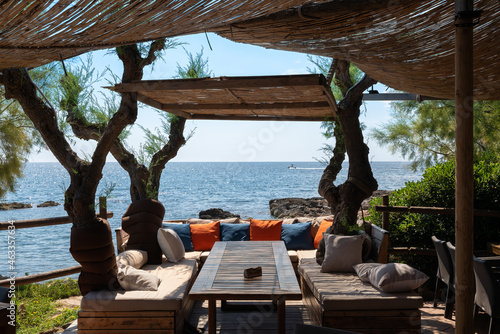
464, 191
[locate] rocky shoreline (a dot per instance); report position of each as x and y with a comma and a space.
17, 205
310, 207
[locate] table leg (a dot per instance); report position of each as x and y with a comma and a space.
281, 315
212, 316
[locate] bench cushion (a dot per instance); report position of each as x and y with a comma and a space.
345, 291
194, 255
306, 254
175, 279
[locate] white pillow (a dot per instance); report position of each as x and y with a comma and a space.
171, 244
396, 277
131, 278
132, 257
341, 252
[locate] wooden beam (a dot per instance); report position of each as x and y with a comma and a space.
42, 276
40, 222
243, 106
433, 210
155, 104
327, 90
398, 97
222, 83
412, 251
260, 118
464, 176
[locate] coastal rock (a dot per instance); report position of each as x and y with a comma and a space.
310, 207
14, 206
377, 193
47, 204
216, 213
299, 207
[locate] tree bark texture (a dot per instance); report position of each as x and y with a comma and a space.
345, 199
144, 181
91, 238
141, 221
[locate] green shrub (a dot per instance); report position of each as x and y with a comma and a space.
437, 189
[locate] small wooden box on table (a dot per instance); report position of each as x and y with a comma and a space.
221, 277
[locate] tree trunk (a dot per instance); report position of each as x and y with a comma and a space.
91, 238
345, 199
175, 141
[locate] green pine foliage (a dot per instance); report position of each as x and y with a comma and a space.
437, 189
424, 133
18, 137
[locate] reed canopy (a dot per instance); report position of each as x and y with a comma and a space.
405, 44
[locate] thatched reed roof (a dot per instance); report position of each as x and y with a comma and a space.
33, 33
405, 44
286, 97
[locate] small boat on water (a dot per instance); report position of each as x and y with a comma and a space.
292, 167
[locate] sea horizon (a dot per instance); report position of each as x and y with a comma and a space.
243, 188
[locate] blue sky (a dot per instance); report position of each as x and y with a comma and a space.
240, 140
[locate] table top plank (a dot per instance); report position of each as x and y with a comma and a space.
284, 268
223, 277
210, 268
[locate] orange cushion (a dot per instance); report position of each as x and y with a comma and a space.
204, 235
322, 229
265, 230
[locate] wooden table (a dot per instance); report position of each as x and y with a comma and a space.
221, 277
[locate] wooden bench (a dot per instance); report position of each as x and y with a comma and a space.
342, 300
162, 311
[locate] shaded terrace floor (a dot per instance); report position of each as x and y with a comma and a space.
248, 322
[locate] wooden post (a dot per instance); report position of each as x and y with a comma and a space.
212, 316
464, 191
385, 215
103, 207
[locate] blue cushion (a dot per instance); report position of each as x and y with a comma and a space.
235, 232
297, 236
184, 233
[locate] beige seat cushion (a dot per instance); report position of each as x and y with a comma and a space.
306, 254
345, 291
175, 279
294, 258
194, 255
204, 255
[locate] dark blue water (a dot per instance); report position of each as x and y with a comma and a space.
244, 188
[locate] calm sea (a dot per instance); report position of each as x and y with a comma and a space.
244, 188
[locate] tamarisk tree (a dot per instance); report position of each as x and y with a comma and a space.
346, 198
145, 214
91, 240
145, 165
